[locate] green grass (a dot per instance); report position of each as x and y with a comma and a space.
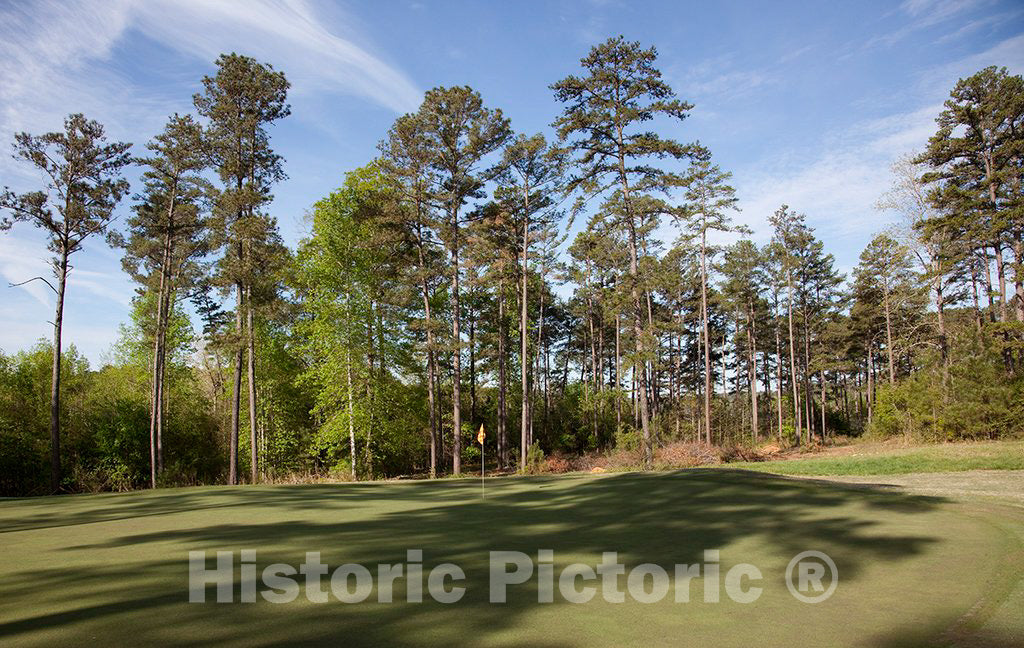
881, 460
112, 569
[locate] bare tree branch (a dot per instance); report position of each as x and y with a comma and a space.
22, 283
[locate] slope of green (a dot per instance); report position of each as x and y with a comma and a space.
113, 569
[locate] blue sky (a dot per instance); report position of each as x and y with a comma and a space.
806, 103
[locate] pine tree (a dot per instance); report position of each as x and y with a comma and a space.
744, 282
790, 235
599, 125
976, 159
535, 172
405, 160
166, 234
83, 186
240, 101
886, 264
940, 252
461, 133
708, 198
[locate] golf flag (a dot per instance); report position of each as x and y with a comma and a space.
480, 436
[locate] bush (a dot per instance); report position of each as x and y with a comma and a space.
628, 439
534, 459
981, 402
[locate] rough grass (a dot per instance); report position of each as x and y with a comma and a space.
112, 569
882, 459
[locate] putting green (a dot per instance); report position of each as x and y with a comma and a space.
913, 570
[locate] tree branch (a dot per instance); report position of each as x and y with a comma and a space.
22, 283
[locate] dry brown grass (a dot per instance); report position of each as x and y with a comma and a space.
671, 456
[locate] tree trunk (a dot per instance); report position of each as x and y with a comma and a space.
707, 342
154, 412
524, 423
565, 362
651, 369
537, 377
372, 362
351, 413
58, 321
988, 287
236, 404
940, 305
752, 351
163, 318
456, 351
1004, 316
1018, 275
888, 333
641, 389
808, 393
431, 370
871, 380
502, 378
618, 373
778, 382
472, 363
253, 456
600, 351
792, 362
161, 394
431, 361
594, 379
824, 430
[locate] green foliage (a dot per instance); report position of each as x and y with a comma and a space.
628, 439
981, 403
105, 423
534, 459
25, 414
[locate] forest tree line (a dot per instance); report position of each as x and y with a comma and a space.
468, 275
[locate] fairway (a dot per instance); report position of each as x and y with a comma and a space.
913, 570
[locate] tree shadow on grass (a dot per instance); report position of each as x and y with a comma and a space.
23, 514
666, 519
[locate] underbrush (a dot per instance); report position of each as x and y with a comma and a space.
670, 456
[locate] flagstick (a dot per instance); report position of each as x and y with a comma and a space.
483, 464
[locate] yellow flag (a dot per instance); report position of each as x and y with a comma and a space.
480, 435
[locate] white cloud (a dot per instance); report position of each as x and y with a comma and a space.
285, 32
838, 187
985, 23
23, 255
924, 14
937, 10
52, 57
59, 57
836, 190
717, 80
1008, 53
19, 262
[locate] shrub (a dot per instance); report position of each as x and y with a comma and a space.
628, 439
558, 465
534, 459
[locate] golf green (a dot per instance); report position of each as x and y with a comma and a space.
114, 569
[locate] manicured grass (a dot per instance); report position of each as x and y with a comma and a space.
881, 460
112, 569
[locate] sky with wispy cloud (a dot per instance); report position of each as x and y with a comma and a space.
805, 103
